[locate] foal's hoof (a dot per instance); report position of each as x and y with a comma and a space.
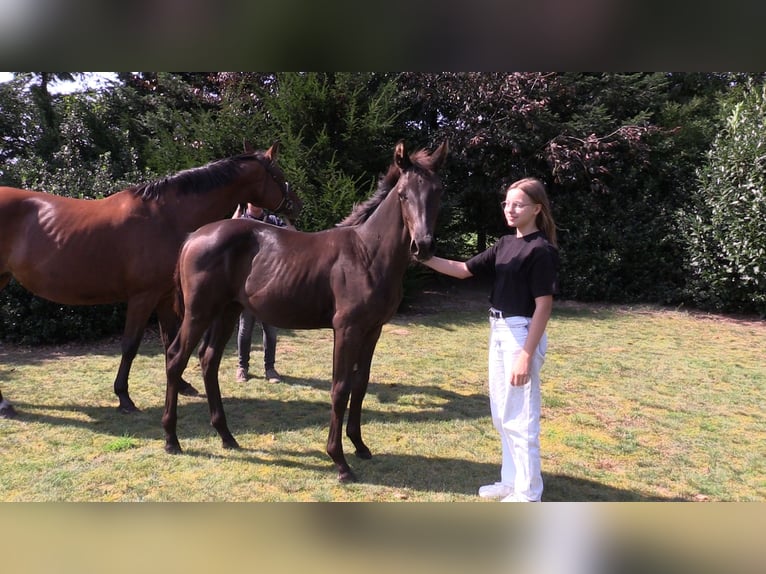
7, 412
346, 476
128, 408
231, 444
173, 448
363, 453
187, 390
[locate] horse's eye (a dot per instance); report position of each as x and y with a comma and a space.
403, 195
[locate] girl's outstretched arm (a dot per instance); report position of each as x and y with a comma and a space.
449, 267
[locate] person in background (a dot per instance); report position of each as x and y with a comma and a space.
247, 320
524, 268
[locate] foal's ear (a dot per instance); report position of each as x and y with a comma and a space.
272, 152
401, 157
247, 147
439, 156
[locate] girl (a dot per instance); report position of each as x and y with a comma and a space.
524, 268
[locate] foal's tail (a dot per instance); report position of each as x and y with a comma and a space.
178, 304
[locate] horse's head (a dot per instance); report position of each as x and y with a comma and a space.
420, 192
274, 193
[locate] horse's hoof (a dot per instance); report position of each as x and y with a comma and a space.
7, 412
173, 448
187, 390
364, 453
346, 476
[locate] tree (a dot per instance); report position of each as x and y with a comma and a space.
619, 153
68, 145
17, 120
725, 224
495, 123
587, 136
164, 115
338, 132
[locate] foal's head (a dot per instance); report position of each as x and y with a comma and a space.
420, 192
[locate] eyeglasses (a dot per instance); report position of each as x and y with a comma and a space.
514, 206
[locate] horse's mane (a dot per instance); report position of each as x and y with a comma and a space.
198, 179
362, 211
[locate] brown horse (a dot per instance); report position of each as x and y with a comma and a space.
348, 278
124, 248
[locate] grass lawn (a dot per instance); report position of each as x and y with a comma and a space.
639, 403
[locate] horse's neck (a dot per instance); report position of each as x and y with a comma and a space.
195, 211
385, 231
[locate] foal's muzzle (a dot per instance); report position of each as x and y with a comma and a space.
423, 249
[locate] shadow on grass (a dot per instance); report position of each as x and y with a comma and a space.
441, 475
459, 476
564, 488
258, 415
261, 416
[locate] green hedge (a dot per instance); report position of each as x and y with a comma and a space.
27, 319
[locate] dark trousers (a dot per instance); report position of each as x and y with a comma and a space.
245, 339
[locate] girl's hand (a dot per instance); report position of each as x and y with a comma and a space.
520, 372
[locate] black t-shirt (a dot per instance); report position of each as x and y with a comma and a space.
522, 268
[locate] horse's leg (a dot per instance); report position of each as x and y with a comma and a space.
6, 409
345, 354
169, 324
212, 349
359, 390
138, 313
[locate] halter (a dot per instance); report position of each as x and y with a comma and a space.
286, 204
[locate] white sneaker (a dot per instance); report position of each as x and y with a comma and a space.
513, 498
495, 491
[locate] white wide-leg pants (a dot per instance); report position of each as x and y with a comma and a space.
516, 410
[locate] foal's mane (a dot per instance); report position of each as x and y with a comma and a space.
362, 211
198, 179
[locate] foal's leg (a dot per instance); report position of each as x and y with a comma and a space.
361, 379
177, 358
137, 316
169, 325
345, 356
213, 347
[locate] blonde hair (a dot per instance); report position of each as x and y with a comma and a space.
535, 190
